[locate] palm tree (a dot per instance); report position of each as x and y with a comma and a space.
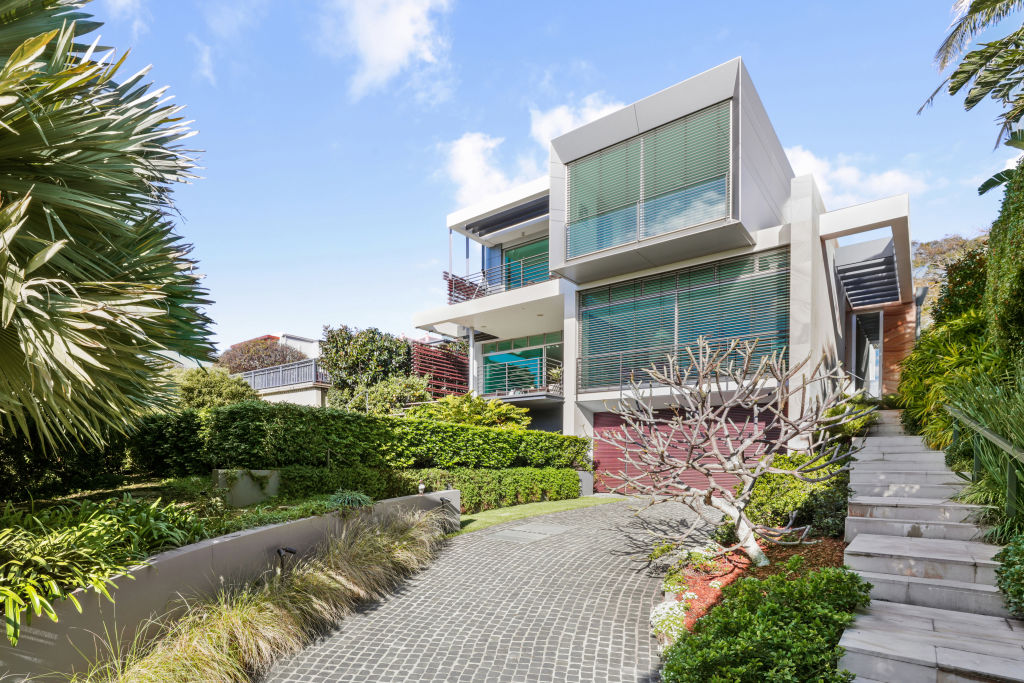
94, 284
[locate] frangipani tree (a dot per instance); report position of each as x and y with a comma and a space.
95, 284
731, 410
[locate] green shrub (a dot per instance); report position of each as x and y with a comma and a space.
1010, 575
387, 397
822, 505
260, 435
208, 388
46, 554
783, 628
474, 410
31, 470
942, 356
1004, 287
963, 285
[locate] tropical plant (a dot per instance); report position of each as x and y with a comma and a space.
96, 285
256, 354
944, 354
390, 396
930, 259
207, 388
355, 357
474, 410
1004, 287
1010, 574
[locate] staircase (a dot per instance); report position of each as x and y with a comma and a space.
936, 614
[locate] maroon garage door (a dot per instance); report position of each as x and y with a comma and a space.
608, 458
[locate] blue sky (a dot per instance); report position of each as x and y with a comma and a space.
337, 134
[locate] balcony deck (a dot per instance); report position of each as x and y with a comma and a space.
503, 278
290, 374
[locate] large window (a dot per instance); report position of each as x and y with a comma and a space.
627, 327
526, 264
522, 364
667, 179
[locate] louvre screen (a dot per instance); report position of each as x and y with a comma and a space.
667, 179
628, 327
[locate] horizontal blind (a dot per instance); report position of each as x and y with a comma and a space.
684, 166
628, 327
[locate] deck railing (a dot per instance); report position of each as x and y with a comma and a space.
511, 275
1014, 456
522, 377
300, 372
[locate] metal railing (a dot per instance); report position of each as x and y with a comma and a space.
618, 369
1013, 463
300, 372
511, 275
522, 377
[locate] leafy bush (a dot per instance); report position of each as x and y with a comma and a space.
963, 285
942, 356
47, 554
1004, 288
783, 628
367, 357
30, 469
261, 435
387, 397
474, 410
1010, 575
255, 354
822, 505
481, 489
202, 388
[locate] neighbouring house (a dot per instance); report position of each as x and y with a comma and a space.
675, 217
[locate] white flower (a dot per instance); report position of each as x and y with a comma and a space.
689, 596
715, 584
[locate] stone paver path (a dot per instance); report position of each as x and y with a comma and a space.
559, 597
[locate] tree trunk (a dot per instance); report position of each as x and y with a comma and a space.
744, 531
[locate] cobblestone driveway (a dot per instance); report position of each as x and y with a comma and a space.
552, 598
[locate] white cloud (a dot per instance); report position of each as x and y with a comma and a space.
227, 19
548, 124
387, 38
204, 59
472, 161
843, 183
133, 11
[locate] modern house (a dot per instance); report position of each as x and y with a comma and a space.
675, 217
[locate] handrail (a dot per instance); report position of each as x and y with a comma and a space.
500, 278
286, 374
526, 375
1004, 445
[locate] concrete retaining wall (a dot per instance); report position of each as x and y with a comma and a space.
198, 569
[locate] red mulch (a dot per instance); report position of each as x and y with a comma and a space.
827, 552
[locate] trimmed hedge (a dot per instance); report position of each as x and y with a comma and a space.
481, 489
260, 435
1004, 288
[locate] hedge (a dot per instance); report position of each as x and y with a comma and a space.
481, 489
260, 435
1004, 288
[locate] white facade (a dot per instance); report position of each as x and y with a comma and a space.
754, 206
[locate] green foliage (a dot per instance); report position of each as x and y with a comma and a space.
261, 435
1004, 291
783, 628
46, 554
1010, 575
96, 284
481, 489
367, 357
963, 285
30, 469
943, 355
474, 410
857, 426
388, 397
821, 505
201, 388
347, 498
256, 354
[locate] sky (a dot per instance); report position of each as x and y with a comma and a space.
336, 135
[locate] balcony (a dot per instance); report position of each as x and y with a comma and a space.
503, 278
301, 372
525, 377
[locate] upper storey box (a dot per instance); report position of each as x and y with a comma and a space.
692, 170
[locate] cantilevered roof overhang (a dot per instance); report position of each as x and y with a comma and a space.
877, 272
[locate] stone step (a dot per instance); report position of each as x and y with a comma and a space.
867, 475
943, 491
911, 644
958, 531
934, 457
886, 430
921, 509
960, 596
895, 466
890, 441
931, 558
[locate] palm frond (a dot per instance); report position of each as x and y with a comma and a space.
970, 19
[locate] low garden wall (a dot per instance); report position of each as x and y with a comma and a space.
197, 569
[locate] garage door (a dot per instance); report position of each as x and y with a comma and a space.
608, 458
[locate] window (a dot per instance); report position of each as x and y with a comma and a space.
526, 264
627, 327
667, 179
521, 364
